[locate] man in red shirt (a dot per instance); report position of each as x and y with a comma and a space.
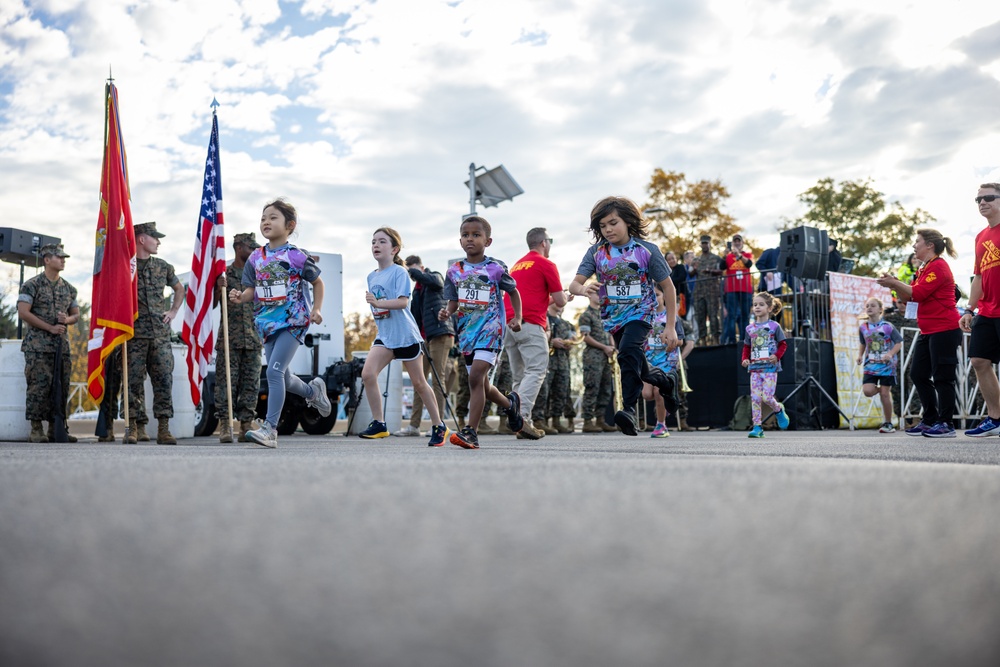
739, 290
984, 348
528, 349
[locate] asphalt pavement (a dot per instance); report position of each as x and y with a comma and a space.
804, 548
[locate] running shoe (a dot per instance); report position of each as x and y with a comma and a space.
320, 400
438, 435
514, 419
782, 417
756, 432
918, 429
265, 436
625, 421
940, 430
376, 429
407, 431
988, 426
668, 388
466, 438
660, 431
887, 428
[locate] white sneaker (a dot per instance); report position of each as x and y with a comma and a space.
407, 431
265, 436
321, 401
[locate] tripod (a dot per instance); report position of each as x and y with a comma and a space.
810, 379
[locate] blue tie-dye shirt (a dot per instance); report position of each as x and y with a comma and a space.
281, 300
480, 315
656, 351
627, 274
878, 339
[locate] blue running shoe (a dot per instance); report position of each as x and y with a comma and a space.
782, 418
988, 426
756, 432
918, 429
940, 430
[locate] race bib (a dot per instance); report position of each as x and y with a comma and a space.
739, 275
272, 292
474, 298
380, 313
773, 281
655, 343
624, 292
911, 310
759, 353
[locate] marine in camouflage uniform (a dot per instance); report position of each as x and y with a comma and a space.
149, 349
554, 393
244, 348
47, 304
707, 299
598, 381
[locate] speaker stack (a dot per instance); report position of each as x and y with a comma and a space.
803, 252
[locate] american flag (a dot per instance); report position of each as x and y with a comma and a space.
207, 264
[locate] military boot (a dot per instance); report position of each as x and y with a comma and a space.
225, 431
130, 438
608, 428
245, 427
558, 425
684, 425
163, 436
461, 422
504, 428
543, 426
37, 432
51, 435
590, 427
140, 432
110, 436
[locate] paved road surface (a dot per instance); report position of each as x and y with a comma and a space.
808, 548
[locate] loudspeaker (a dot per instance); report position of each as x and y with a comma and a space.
17, 245
803, 252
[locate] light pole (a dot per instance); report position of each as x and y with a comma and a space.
491, 187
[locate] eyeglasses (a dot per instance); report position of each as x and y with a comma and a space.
987, 198
551, 241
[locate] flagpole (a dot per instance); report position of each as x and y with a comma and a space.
128, 422
225, 339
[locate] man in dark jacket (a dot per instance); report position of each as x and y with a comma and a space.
426, 300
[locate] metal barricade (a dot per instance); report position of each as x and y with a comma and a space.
968, 405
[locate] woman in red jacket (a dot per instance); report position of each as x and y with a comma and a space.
935, 355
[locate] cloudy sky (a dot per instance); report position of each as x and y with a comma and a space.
365, 114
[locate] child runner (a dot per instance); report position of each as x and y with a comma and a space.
880, 343
659, 356
472, 287
398, 335
274, 278
627, 267
763, 348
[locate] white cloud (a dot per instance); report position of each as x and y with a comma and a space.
368, 113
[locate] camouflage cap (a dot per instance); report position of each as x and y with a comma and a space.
705, 238
149, 229
246, 239
52, 249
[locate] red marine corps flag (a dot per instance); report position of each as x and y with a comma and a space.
114, 304
207, 264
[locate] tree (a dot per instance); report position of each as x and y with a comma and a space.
8, 313
688, 211
359, 333
875, 234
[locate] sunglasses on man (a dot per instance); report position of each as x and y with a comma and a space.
987, 198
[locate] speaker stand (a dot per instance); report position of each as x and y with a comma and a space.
810, 380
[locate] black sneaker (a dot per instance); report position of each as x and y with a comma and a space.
376, 429
625, 421
466, 438
515, 422
438, 435
668, 389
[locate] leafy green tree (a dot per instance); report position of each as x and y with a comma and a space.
877, 234
8, 313
680, 211
359, 333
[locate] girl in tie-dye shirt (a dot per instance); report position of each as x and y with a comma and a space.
763, 347
879, 342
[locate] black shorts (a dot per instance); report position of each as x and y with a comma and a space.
884, 380
408, 353
985, 342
